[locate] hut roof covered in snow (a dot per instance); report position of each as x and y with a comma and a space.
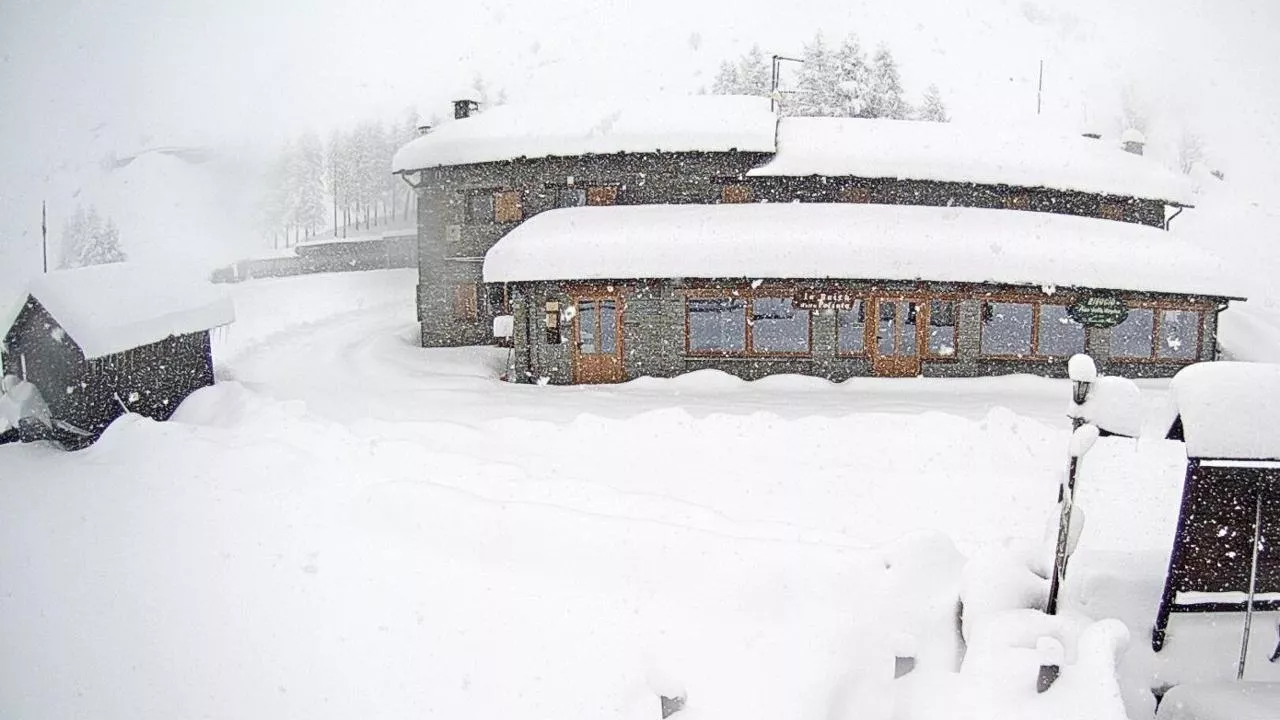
708, 123
1226, 410
1027, 155
851, 241
115, 307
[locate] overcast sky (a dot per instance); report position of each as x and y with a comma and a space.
79, 80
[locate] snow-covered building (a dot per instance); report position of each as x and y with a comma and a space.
826, 246
107, 339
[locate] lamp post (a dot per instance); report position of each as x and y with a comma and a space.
774, 96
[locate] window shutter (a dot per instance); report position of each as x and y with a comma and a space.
736, 194
855, 195
506, 207
465, 302
603, 195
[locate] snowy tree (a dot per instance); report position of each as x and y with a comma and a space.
307, 178
932, 109
853, 88
816, 91
1190, 151
87, 240
886, 87
727, 81
754, 75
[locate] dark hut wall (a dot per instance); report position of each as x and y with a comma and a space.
452, 241
151, 380
654, 332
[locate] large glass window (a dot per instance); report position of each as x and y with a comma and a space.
942, 327
608, 326
1058, 334
1133, 337
851, 331
588, 326
1179, 334
1006, 328
777, 327
717, 325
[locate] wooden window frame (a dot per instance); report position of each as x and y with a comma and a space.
865, 352
748, 346
1036, 303
927, 304
1156, 308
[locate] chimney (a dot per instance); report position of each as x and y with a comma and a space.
1093, 135
424, 129
1133, 141
465, 108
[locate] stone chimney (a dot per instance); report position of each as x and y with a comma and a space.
465, 108
1133, 141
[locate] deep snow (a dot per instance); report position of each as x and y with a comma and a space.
352, 526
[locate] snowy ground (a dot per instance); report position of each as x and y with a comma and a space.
352, 526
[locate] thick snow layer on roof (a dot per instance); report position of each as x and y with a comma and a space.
883, 242
111, 308
670, 124
1020, 155
1229, 409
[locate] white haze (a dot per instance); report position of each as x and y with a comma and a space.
84, 81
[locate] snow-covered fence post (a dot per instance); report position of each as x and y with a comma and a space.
1083, 373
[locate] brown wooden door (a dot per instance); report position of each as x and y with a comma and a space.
597, 334
895, 336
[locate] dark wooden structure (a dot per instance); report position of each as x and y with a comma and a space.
1225, 551
85, 395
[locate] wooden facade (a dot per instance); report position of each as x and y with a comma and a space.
85, 395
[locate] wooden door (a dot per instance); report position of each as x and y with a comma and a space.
896, 336
597, 334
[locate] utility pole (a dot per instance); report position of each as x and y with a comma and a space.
334, 161
774, 97
1040, 87
44, 235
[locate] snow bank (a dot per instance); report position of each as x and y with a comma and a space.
1229, 410
1020, 155
111, 308
1223, 700
886, 242
710, 123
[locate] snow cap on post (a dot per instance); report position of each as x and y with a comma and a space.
1081, 368
1114, 405
1083, 439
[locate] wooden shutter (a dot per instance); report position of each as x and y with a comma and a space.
737, 193
506, 207
1018, 202
855, 195
466, 302
602, 195
1111, 211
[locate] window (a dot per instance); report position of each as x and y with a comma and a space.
1179, 336
1134, 337
506, 207
496, 295
717, 325
1018, 202
571, 197
736, 193
1006, 328
465, 301
778, 327
851, 329
1111, 211
942, 328
480, 207
1058, 334
602, 195
855, 195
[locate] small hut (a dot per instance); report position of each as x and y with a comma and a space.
1226, 553
100, 341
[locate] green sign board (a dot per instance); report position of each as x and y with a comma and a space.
1099, 311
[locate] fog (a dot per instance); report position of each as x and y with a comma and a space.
81, 82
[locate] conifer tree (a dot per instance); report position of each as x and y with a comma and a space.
816, 90
853, 89
726, 82
886, 99
754, 76
932, 109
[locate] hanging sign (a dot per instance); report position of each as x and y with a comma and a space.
824, 300
1099, 311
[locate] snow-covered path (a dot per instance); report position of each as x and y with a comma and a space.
350, 525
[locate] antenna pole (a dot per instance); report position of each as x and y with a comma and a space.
1040, 87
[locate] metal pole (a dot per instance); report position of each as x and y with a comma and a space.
44, 235
1253, 587
1040, 87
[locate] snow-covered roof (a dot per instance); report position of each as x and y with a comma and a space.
1020, 155
1229, 410
111, 308
854, 241
711, 123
